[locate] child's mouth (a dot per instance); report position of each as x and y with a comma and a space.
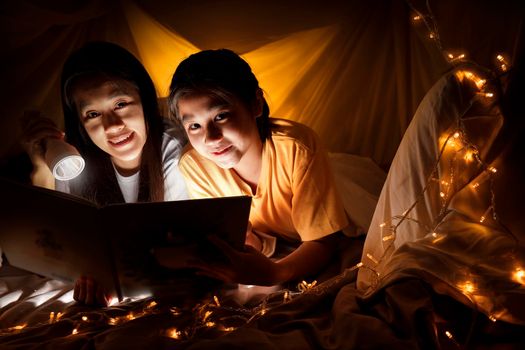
122, 140
223, 151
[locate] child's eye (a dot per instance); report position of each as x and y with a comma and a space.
121, 104
221, 116
91, 115
193, 126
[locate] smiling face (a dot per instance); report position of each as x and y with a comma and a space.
225, 133
112, 115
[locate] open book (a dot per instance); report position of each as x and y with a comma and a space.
63, 236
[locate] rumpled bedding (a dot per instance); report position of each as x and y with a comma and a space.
407, 314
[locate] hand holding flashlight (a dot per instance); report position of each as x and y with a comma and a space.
51, 156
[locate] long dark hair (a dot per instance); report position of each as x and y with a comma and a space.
98, 182
221, 74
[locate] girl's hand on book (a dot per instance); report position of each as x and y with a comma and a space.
87, 291
253, 240
249, 266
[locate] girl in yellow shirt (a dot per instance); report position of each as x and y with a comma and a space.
238, 150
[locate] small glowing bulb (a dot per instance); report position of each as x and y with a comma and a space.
382, 225
469, 155
500, 58
493, 170
467, 287
305, 285
388, 238
437, 237
482, 219
371, 257
519, 275
492, 318
471, 76
476, 185
480, 83
19, 327
152, 304
206, 315
455, 58
489, 94
416, 18
442, 194
431, 35
448, 334
216, 301
359, 264
173, 333
503, 67
84, 318
75, 331
456, 135
112, 321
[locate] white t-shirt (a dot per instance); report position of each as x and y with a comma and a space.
173, 141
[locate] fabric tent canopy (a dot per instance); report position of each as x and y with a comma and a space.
354, 71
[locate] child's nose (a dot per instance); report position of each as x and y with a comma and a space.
213, 134
112, 122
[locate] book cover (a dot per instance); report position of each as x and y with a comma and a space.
63, 236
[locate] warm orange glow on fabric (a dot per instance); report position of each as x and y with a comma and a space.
160, 49
279, 66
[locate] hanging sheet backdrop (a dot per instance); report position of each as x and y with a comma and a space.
354, 71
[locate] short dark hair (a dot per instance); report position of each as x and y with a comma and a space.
221, 74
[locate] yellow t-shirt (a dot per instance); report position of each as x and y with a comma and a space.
296, 197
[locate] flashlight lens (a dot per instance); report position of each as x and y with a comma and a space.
68, 168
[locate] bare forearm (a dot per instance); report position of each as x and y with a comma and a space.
307, 259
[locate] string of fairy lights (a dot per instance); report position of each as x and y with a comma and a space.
212, 315
209, 315
457, 147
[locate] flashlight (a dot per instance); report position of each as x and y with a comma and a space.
63, 160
